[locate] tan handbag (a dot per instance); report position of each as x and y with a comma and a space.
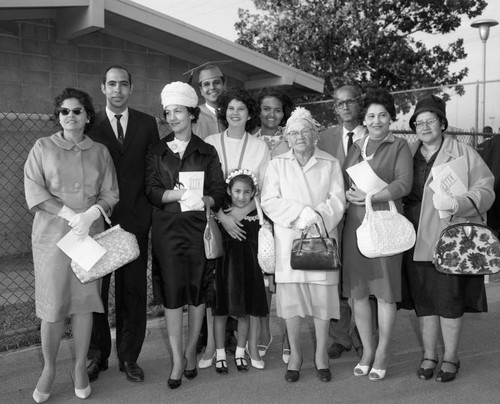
212, 239
266, 250
384, 232
121, 248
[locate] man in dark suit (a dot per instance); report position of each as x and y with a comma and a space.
128, 134
337, 141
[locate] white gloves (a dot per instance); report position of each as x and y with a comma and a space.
445, 202
81, 222
306, 218
66, 213
191, 201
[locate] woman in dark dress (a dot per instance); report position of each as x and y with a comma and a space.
440, 300
179, 222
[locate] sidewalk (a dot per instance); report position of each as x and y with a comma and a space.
477, 381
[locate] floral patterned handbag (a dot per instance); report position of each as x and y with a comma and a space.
266, 252
467, 249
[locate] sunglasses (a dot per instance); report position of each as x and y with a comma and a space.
66, 111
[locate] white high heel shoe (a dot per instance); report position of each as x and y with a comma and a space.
40, 397
83, 393
263, 348
361, 370
206, 363
376, 375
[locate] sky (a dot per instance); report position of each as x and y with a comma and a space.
219, 18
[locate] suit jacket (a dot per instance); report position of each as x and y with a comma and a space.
330, 141
207, 123
133, 211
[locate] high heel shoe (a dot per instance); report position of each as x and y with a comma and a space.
83, 393
263, 348
376, 375
206, 363
40, 397
285, 356
324, 375
175, 383
426, 373
361, 370
255, 363
292, 376
443, 376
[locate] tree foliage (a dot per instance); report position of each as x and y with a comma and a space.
369, 42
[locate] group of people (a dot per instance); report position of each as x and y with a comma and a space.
251, 153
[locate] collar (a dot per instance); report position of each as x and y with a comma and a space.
111, 115
211, 109
60, 141
318, 155
358, 131
195, 143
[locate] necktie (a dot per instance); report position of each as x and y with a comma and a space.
349, 141
119, 128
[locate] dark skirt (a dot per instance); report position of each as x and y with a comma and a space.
179, 263
431, 293
239, 282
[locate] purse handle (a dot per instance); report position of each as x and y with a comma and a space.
305, 233
369, 208
259, 211
475, 207
207, 209
108, 220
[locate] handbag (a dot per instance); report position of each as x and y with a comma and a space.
121, 248
212, 239
384, 232
266, 250
467, 249
315, 253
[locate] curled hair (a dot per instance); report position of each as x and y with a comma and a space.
243, 96
286, 102
116, 67
83, 98
195, 111
379, 96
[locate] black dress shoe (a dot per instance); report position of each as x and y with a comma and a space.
241, 364
132, 370
293, 375
94, 367
174, 383
221, 366
426, 373
335, 350
324, 375
445, 377
190, 373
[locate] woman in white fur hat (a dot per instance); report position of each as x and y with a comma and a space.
179, 221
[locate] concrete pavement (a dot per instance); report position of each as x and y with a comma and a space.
477, 382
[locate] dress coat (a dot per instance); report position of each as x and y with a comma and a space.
480, 189
289, 188
177, 237
78, 176
330, 140
207, 123
133, 213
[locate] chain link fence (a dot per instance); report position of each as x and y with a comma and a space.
19, 131
18, 323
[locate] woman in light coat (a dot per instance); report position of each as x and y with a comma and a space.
440, 300
299, 186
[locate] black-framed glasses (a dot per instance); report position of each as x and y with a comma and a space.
346, 103
66, 111
429, 123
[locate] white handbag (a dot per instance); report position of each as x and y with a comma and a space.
266, 251
384, 232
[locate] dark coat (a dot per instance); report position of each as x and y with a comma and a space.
133, 211
163, 171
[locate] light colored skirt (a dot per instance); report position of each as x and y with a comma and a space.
307, 299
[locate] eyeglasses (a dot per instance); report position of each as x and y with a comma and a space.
429, 123
303, 132
346, 103
66, 111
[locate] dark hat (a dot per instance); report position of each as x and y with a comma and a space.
430, 103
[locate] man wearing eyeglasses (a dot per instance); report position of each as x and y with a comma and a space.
128, 134
337, 141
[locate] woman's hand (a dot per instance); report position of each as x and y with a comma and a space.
81, 222
240, 213
232, 226
355, 196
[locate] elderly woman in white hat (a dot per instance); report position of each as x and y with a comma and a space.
179, 222
302, 187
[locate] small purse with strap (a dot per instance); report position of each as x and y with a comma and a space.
121, 248
266, 250
467, 249
315, 253
212, 238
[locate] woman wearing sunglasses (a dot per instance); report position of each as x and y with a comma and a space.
65, 176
